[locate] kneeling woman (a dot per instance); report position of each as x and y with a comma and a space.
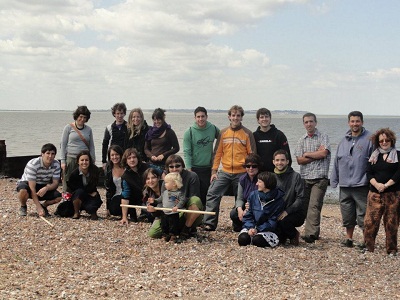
265, 205
132, 183
82, 183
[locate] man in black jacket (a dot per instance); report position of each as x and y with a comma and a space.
295, 210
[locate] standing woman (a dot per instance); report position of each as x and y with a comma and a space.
137, 129
83, 184
132, 183
113, 180
161, 140
76, 137
383, 174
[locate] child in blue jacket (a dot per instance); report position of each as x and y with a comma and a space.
265, 205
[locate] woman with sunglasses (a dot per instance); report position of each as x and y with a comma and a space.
383, 174
191, 190
247, 184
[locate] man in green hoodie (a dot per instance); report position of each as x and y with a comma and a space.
198, 143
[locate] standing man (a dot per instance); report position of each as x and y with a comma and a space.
198, 143
115, 132
313, 154
349, 172
269, 139
234, 143
295, 211
40, 181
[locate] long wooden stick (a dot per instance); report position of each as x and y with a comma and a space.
170, 209
44, 219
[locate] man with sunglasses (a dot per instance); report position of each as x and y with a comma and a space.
349, 172
234, 143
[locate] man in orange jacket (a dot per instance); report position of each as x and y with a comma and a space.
234, 143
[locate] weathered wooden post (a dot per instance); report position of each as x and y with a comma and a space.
3, 156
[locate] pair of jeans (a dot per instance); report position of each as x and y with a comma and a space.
215, 192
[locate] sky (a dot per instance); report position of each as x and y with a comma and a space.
327, 57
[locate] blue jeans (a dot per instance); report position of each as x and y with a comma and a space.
215, 192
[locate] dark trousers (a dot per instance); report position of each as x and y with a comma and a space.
204, 175
236, 223
286, 228
245, 239
384, 205
170, 224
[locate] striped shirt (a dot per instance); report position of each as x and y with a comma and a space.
36, 171
318, 168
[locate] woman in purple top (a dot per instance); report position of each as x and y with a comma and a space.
247, 184
161, 140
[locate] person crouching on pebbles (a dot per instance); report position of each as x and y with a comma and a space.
40, 181
173, 198
265, 206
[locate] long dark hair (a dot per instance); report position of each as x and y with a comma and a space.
93, 169
117, 149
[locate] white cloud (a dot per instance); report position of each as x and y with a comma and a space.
392, 73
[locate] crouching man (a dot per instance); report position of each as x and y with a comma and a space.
40, 181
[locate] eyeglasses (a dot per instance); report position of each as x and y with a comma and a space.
251, 166
384, 141
177, 166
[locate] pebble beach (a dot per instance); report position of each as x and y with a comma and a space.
84, 259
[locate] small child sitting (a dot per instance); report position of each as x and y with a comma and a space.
173, 198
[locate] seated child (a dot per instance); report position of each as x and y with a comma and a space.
265, 205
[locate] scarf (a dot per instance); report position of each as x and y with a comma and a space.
276, 171
392, 157
155, 132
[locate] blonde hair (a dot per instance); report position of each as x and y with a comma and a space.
176, 178
132, 129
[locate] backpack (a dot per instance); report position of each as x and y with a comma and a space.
65, 209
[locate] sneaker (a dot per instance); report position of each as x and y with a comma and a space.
23, 210
392, 254
94, 217
309, 239
360, 246
166, 238
208, 228
46, 212
347, 243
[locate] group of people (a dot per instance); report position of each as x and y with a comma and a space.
271, 200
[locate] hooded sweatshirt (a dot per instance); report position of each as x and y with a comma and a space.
269, 142
351, 161
198, 145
